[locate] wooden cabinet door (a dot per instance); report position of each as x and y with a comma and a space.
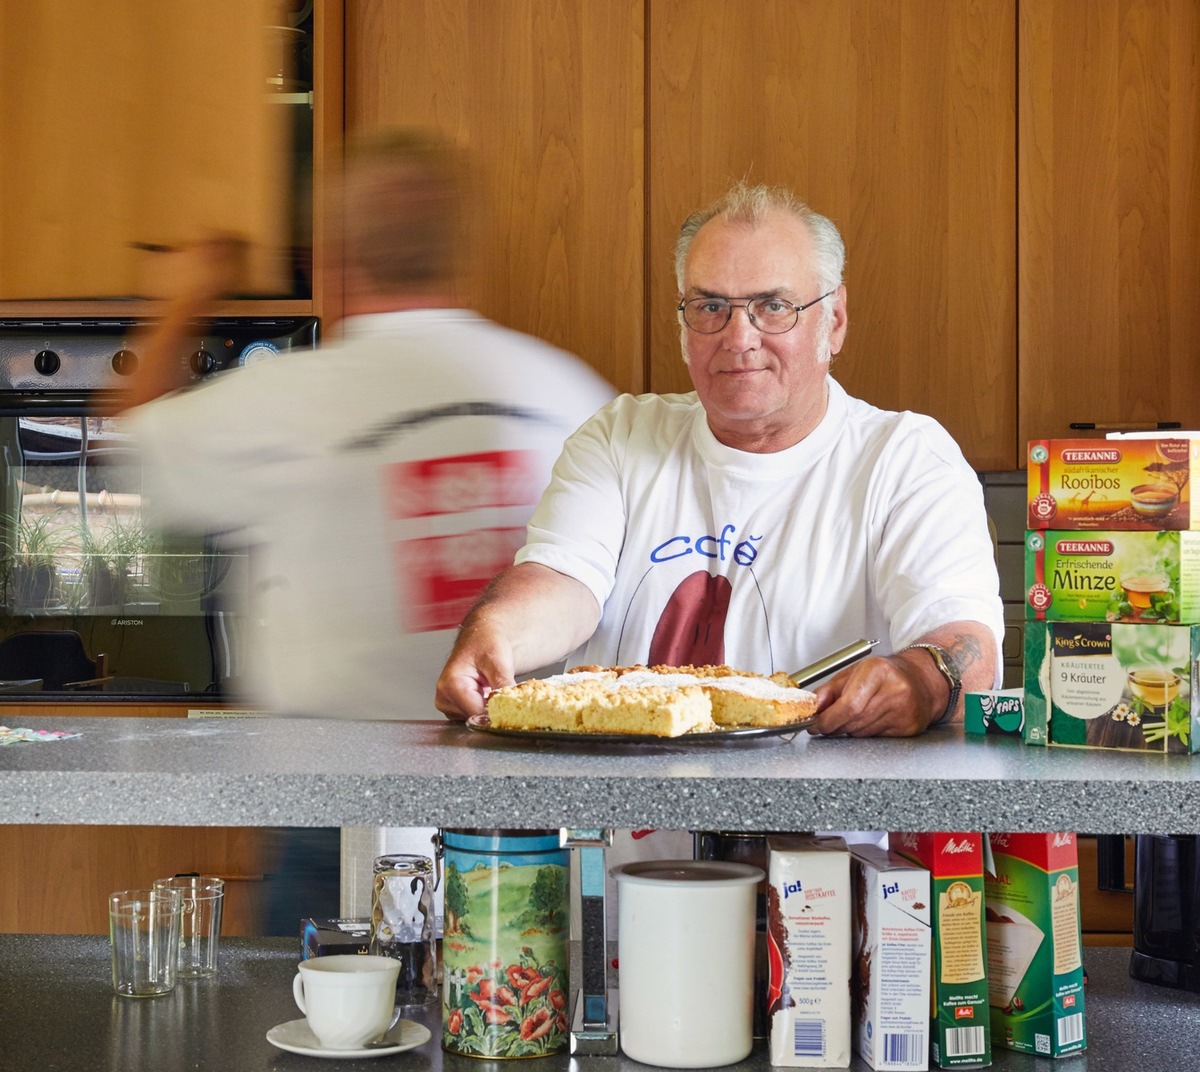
546, 100
897, 121
1109, 220
128, 123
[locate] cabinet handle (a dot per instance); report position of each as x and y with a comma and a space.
1124, 426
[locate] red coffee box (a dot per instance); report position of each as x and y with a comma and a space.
808, 951
1112, 483
893, 963
1035, 963
961, 1030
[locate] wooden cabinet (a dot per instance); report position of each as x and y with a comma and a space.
1109, 213
895, 120
123, 130
547, 100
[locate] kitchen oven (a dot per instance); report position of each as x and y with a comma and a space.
95, 603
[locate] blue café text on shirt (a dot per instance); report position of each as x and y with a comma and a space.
744, 552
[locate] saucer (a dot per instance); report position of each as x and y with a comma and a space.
296, 1037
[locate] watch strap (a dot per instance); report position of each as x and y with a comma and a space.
945, 667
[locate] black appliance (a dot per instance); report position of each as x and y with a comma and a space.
1166, 904
85, 581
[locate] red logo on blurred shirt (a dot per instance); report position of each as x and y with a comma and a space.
458, 529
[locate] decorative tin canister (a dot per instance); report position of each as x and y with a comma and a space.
505, 943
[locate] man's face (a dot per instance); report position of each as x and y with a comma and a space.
761, 392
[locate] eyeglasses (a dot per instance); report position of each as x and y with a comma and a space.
773, 316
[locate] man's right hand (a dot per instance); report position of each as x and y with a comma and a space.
480, 663
530, 616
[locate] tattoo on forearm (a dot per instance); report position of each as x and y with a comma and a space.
964, 654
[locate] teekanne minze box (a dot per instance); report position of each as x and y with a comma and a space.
1111, 483
1111, 575
892, 962
1035, 966
808, 951
1112, 685
961, 1030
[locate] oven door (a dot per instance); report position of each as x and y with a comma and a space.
95, 603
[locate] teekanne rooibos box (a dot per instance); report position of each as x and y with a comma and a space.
1035, 966
961, 1030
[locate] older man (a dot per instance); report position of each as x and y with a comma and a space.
762, 521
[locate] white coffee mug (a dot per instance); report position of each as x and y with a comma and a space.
347, 999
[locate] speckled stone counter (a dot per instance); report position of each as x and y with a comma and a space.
275, 772
60, 1015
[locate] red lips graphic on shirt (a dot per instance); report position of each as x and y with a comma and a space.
691, 629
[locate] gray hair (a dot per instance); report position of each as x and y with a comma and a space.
742, 203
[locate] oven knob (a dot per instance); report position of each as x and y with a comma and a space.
203, 363
124, 362
46, 362
256, 351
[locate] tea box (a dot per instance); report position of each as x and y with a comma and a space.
892, 959
1123, 483
997, 711
960, 1032
1035, 964
1112, 575
808, 951
1112, 685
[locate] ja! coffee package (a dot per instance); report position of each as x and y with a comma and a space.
1035, 963
892, 959
808, 951
960, 1032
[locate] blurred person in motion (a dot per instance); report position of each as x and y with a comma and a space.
764, 520
384, 477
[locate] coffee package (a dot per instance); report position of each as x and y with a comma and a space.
892, 959
961, 1029
808, 951
1112, 483
1035, 964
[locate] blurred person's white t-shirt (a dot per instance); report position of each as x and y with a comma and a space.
384, 479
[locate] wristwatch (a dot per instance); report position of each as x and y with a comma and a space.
945, 667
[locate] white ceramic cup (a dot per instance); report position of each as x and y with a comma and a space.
347, 999
685, 946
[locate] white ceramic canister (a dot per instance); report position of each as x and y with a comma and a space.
685, 950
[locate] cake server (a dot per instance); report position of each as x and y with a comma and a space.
851, 653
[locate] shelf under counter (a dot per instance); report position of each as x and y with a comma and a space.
256, 771
61, 1013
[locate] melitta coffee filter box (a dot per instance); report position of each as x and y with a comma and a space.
960, 1028
1111, 483
1112, 576
1035, 966
892, 951
808, 951
1112, 685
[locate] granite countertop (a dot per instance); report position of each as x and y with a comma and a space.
60, 1014
276, 772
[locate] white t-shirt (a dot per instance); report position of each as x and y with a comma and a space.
386, 478
873, 526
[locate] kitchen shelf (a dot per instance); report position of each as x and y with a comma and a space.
61, 1014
